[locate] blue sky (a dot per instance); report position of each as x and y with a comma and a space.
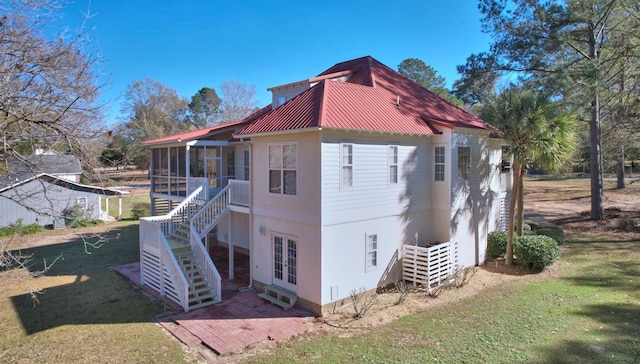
189, 44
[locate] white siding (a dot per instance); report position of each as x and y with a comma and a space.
474, 201
397, 213
372, 196
297, 216
239, 226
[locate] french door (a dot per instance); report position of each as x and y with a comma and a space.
285, 262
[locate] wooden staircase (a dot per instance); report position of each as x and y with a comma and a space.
279, 296
200, 292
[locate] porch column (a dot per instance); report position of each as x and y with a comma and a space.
187, 168
119, 207
231, 250
106, 206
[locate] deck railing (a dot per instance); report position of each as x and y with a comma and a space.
240, 192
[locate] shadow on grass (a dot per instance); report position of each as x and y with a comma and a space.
82, 288
616, 341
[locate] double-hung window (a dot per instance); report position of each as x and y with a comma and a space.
346, 163
371, 250
464, 162
393, 164
283, 169
439, 164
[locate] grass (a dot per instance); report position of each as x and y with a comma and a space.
88, 312
128, 203
589, 314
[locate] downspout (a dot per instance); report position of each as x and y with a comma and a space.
251, 251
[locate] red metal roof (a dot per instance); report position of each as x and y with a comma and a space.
200, 133
366, 102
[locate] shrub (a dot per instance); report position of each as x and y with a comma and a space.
497, 244
536, 251
17, 228
554, 232
76, 216
533, 225
140, 209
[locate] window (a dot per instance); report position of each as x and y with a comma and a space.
506, 160
439, 164
283, 169
246, 165
231, 164
82, 203
347, 165
393, 164
372, 252
464, 162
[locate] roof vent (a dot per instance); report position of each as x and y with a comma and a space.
398, 101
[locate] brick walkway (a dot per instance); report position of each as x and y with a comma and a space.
241, 319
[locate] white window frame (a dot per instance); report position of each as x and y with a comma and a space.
246, 164
439, 163
83, 202
346, 165
281, 167
371, 252
394, 170
464, 166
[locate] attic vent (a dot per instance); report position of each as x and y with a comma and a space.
398, 101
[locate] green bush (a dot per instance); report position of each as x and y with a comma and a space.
76, 216
536, 251
140, 209
554, 232
497, 244
18, 228
533, 225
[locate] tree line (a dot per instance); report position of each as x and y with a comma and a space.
152, 110
582, 56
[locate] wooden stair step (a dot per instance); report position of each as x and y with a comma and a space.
200, 298
275, 301
279, 296
203, 304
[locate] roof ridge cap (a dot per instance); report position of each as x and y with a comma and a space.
323, 104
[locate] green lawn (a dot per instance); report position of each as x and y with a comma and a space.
88, 312
590, 314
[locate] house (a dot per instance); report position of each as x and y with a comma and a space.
38, 189
322, 188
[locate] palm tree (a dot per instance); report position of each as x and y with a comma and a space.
535, 130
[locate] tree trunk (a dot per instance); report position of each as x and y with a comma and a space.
515, 193
597, 188
520, 208
621, 168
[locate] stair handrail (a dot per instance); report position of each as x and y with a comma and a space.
209, 214
210, 270
184, 206
153, 231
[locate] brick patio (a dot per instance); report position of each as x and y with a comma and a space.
241, 319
